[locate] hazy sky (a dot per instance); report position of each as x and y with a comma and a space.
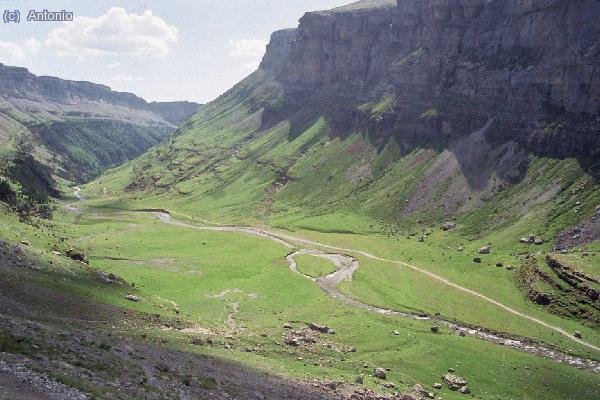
160, 50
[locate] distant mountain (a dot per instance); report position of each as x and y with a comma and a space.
81, 128
405, 113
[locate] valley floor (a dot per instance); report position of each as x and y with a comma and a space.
196, 307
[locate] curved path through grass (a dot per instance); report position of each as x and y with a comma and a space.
346, 266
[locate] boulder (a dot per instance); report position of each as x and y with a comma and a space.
437, 385
538, 241
477, 260
435, 329
108, 278
287, 326
359, 379
447, 226
379, 373
499, 265
132, 297
577, 334
320, 328
524, 240
77, 255
464, 390
454, 382
25, 242
485, 250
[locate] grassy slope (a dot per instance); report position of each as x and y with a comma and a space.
191, 268
224, 167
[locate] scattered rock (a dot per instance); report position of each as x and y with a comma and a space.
297, 337
77, 255
162, 367
396, 333
450, 369
538, 242
454, 382
435, 329
379, 373
108, 278
510, 267
25, 242
485, 250
132, 297
523, 240
577, 334
56, 253
499, 265
477, 260
437, 385
447, 226
421, 239
360, 379
462, 333
422, 392
464, 390
389, 385
321, 328
287, 326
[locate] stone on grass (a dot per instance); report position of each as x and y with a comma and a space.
454, 382
447, 226
379, 373
485, 250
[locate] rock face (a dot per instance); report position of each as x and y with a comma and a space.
446, 68
82, 128
19, 87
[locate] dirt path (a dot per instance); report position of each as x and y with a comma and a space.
346, 266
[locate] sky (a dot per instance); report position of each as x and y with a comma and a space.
161, 50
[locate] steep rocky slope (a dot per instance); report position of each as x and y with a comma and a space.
81, 128
408, 113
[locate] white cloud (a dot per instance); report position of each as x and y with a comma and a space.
113, 65
32, 46
116, 32
248, 51
127, 78
13, 53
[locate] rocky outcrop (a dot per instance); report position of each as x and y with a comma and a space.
563, 289
59, 97
441, 69
82, 128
